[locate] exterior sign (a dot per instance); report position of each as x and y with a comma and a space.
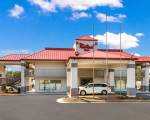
83, 47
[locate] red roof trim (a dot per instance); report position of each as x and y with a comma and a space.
46, 59
111, 50
11, 60
102, 58
143, 59
86, 38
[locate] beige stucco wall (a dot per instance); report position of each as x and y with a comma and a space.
101, 63
50, 71
47, 65
58, 70
85, 68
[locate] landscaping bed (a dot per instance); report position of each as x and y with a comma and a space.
102, 98
8, 94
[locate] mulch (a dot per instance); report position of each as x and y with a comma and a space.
99, 98
8, 94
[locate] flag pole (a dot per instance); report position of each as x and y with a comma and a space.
106, 77
120, 56
93, 59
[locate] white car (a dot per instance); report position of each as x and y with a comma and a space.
99, 88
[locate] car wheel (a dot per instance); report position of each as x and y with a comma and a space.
83, 93
104, 92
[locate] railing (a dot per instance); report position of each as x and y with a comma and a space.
9, 81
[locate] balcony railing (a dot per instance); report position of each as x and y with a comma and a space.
9, 81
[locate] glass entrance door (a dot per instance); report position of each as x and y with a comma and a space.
121, 86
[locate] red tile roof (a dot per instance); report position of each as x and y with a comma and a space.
86, 38
63, 54
58, 54
143, 59
13, 57
110, 54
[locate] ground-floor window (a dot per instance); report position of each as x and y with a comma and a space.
49, 85
55, 84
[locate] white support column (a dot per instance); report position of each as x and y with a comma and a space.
74, 79
145, 69
131, 86
106, 75
112, 79
23, 83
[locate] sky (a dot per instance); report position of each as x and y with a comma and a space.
27, 26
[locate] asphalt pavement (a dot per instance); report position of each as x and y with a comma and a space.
44, 107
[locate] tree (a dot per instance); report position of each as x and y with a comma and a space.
12, 74
138, 73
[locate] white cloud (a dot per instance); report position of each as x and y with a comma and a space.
137, 54
139, 34
75, 5
78, 15
44, 5
12, 51
102, 17
128, 41
16, 11
122, 16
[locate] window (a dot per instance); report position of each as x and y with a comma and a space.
50, 85
104, 85
44, 85
56, 84
97, 85
100, 85
123, 73
90, 85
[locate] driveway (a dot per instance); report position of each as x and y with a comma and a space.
44, 107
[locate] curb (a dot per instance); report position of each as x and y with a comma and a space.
60, 100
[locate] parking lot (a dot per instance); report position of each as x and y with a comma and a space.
44, 107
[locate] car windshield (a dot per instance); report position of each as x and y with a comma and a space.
84, 85
90, 85
97, 85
